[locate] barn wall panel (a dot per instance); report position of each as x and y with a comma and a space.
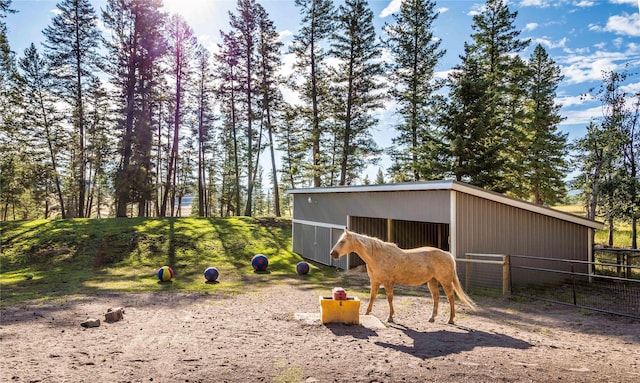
485, 226
422, 206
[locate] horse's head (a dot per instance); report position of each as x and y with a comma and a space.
343, 246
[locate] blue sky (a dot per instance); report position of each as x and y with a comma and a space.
584, 37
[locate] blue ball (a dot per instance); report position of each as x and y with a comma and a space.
211, 274
302, 268
259, 262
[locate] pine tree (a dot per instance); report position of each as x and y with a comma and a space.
269, 63
355, 45
181, 49
618, 197
293, 148
494, 161
244, 26
10, 109
135, 49
545, 162
317, 26
41, 118
72, 47
594, 154
416, 151
7, 57
465, 120
100, 147
227, 74
204, 123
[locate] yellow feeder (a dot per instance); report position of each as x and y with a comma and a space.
345, 311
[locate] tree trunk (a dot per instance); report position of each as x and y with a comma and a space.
276, 190
124, 183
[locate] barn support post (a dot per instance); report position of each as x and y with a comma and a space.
467, 272
390, 233
453, 225
506, 276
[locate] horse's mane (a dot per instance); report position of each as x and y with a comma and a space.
375, 244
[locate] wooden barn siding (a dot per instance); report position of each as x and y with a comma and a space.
485, 226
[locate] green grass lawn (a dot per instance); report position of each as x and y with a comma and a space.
89, 256
621, 235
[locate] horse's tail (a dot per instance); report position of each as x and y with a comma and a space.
461, 294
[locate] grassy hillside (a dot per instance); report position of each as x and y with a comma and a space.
87, 256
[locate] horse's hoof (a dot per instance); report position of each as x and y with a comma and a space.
431, 320
451, 322
390, 320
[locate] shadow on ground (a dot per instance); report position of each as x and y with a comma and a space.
433, 344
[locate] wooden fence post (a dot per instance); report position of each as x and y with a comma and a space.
506, 277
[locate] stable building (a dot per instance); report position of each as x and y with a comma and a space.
462, 219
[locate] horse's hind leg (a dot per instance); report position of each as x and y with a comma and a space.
374, 291
435, 294
448, 290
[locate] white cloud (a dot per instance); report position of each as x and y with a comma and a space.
285, 34
534, 3
628, 25
567, 101
576, 51
630, 2
393, 7
550, 44
531, 26
442, 10
584, 68
618, 42
581, 117
476, 9
632, 89
443, 74
595, 27
584, 3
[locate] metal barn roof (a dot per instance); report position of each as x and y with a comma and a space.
454, 186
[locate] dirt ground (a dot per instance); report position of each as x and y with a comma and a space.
257, 336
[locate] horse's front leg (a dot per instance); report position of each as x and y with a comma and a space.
374, 291
435, 294
388, 289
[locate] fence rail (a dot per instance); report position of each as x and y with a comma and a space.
620, 262
562, 281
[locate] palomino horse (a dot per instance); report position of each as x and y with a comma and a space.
387, 264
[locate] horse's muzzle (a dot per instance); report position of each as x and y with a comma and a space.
335, 255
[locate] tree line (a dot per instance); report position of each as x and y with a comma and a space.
132, 120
